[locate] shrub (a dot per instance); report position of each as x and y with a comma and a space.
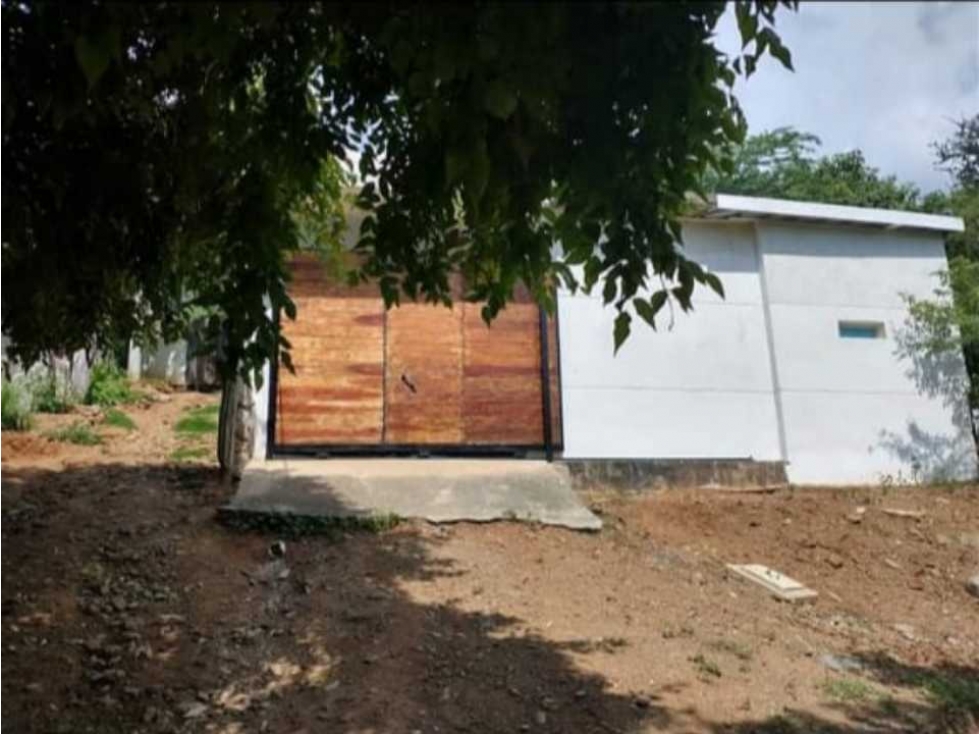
15, 406
51, 393
77, 433
108, 386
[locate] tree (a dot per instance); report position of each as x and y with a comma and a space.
784, 164
155, 154
948, 325
959, 155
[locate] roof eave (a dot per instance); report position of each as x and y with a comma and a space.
752, 208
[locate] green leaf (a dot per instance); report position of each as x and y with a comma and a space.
93, 55
658, 300
715, 283
747, 22
593, 268
645, 310
781, 53
610, 289
499, 100
290, 308
622, 328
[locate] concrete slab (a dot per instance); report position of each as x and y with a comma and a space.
437, 490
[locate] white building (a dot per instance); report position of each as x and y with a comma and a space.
798, 367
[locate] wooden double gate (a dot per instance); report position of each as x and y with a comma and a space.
417, 378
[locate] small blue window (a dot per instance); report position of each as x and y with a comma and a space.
861, 330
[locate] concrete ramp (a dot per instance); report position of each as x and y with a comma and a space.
437, 490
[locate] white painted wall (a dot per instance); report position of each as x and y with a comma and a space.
164, 362
703, 389
853, 413
719, 385
261, 436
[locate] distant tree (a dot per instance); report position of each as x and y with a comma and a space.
959, 155
785, 164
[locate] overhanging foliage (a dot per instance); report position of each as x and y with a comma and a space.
155, 154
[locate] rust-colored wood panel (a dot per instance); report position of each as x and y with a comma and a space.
336, 395
310, 279
501, 377
423, 382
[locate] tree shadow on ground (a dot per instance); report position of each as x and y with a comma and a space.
168, 620
127, 607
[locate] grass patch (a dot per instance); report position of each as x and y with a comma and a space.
189, 453
706, 667
199, 421
80, 434
117, 419
15, 406
848, 690
740, 650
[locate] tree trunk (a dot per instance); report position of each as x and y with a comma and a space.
236, 426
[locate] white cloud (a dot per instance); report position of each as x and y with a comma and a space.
887, 78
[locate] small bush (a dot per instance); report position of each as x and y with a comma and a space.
77, 433
199, 421
51, 393
117, 419
15, 406
109, 386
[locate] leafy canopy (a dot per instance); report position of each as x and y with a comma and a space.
784, 163
156, 155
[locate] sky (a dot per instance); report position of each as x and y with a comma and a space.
885, 78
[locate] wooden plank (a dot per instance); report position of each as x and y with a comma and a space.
423, 383
501, 377
782, 586
336, 394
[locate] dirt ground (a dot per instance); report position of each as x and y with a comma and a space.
128, 607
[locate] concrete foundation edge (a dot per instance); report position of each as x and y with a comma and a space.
648, 474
